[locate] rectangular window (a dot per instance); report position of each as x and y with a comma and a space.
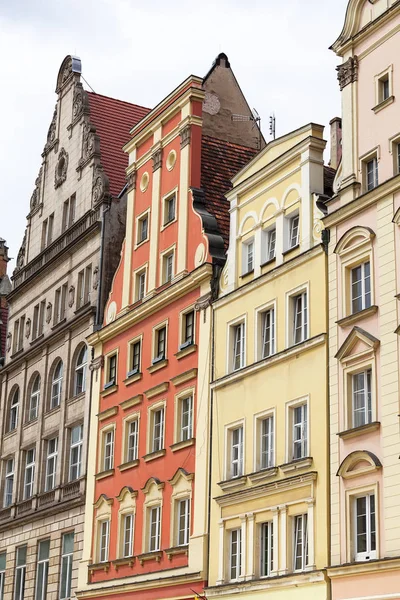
300, 318
42, 310
238, 346
44, 235
50, 230
300, 558
168, 267
361, 287
8, 483
20, 573
398, 157
236, 452
371, 173
135, 350
14, 410
266, 442
132, 441
299, 432
268, 333
16, 336
140, 285
104, 540
154, 528
108, 449
128, 536
69, 212
66, 565
161, 338
84, 286
29, 478
21, 333
188, 329
183, 522
3, 560
365, 527
267, 549
35, 322
235, 554
111, 370
186, 418
51, 464
294, 231
270, 244
59, 303
42, 570
248, 257
169, 210
75, 453
362, 398
158, 429
143, 228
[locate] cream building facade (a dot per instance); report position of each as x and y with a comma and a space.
269, 476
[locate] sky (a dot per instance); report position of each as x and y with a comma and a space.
140, 51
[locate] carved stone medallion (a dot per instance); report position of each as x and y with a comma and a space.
60, 174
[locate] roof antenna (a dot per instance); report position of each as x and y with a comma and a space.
88, 84
255, 118
272, 125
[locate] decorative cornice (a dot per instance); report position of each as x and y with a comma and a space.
106, 414
126, 404
347, 72
157, 389
184, 377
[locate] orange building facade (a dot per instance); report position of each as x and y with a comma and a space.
148, 494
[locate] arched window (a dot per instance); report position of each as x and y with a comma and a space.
34, 399
14, 408
56, 385
80, 372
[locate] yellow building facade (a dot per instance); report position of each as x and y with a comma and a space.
269, 474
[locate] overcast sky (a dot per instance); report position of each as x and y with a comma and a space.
140, 50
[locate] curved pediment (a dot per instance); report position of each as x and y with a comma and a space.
126, 490
353, 239
359, 14
181, 474
358, 463
152, 481
103, 500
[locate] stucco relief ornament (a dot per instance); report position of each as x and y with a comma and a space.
77, 105
88, 144
185, 134
67, 71
21, 255
51, 134
60, 174
49, 308
131, 180
96, 278
71, 296
157, 159
347, 72
9, 341
28, 328
35, 198
100, 185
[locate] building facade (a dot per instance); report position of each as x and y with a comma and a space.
363, 219
63, 273
5, 288
269, 477
146, 529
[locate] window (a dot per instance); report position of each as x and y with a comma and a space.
168, 267
300, 318
104, 540
84, 286
29, 478
3, 560
267, 549
14, 409
236, 451
59, 303
362, 398
235, 565
38, 319
34, 399
51, 464
20, 572
183, 522
398, 157
299, 431
19, 327
69, 212
111, 370
143, 229
294, 231
188, 330
42, 570
154, 528
132, 441
364, 527
300, 558
248, 257
371, 173
270, 244
161, 339
383, 88
186, 418
66, 565
140, 285
135, 353
8, 483
157, 418
128, 536
238, 340
56, 386
268, 333
266, 441
361, 287
108, 449
47, 231
80, 372
75, 453
169, 209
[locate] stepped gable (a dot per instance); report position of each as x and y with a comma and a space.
113, 120
220, 161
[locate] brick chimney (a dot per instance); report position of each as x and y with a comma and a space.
336, 142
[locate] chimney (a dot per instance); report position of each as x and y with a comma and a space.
3, 257
336, 142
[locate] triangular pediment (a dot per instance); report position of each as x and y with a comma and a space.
357, 343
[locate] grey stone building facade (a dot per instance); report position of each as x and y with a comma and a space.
70, 250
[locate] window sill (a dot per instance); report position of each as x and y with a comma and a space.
233, 484
383, 104
81, 309
244, 275
185, 351
156, 390
156, 555
141, 242
268, 262
296, 465
157, 366
106, 414
17, 353
263, 475
129, 465
29, 423
126, 404
133, 378
108, 391
170, 552
355, 431
361, 314
168, 223
180, 445
52, 410
289, 250
9, 434
153, 455
122, 562
103, 566
80, 396
59, 324
104, 474
184, 377
36, 340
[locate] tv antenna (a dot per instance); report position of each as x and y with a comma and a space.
256, 120
272, 125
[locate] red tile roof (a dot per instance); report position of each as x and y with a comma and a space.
220, 161
113, 120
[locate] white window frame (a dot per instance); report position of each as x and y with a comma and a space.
132, 450
103, 540
20, 574
304, 440
34, 399
139, 224
183, 533
237, 343
66, 563
110, 381
108, 441
42, 572
56, 385
370, 553
267, 541
158, 356
269, 462
291, 297
154, 511
80, 371
185, 340
141, 285
248, 256
235, 570
127, 534
300, 526
364, 287
51, 464
234, 450
157, 430
164, 257
77, 445
292, 225
29, 473
186, 426
261, 342
173, 194
14, 410
131, 368
367, 408
269, 244
9, 475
